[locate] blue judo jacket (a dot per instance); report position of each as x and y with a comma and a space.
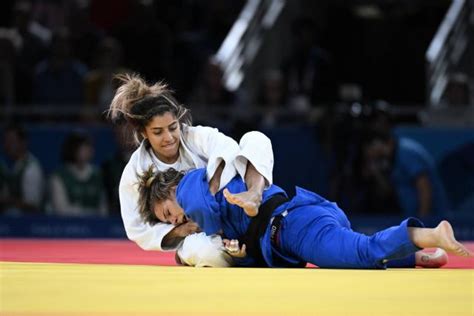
214, 214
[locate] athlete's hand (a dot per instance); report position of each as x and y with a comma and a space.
178, 233
187, 228
233, 249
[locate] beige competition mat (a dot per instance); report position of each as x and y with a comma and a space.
33, 289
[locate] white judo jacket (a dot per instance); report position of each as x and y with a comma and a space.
200, 147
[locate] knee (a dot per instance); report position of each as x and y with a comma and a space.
254, 137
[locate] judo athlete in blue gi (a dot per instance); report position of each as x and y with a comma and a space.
306, 228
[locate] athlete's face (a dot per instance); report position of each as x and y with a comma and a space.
169, 211
163, 133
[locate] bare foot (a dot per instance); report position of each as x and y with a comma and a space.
431, 260
446, 240
249, 201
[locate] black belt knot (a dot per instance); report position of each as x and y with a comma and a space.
258, 226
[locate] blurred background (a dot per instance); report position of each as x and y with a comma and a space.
368, 103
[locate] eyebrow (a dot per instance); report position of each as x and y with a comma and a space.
155, 128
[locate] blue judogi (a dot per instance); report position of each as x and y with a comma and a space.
315, 230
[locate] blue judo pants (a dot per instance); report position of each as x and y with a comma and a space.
321, 234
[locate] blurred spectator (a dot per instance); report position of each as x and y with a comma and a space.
35, 37
308, 70
409, 168
59, 80
341, 134
99, 88
457, 173
375, 192
51, 14
380, 117
210, 90
25, 182
112, 168
76, 188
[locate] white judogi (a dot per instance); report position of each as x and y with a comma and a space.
200, 147
200, 250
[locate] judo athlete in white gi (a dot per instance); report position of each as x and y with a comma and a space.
306, 228
162, 128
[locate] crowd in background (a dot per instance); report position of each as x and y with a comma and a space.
77, 187
58, 59
63, 55
371, 171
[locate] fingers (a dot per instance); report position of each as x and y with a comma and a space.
231, 198
228, 196
232, 245
233, 249
187, 228
193, 227
241, 253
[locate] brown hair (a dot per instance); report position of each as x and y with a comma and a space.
155, 187
138, 103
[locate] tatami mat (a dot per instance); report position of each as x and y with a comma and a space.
33, 289
129, 281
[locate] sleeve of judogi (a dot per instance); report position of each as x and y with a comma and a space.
256, 148
213, 146
200, 250
146, 236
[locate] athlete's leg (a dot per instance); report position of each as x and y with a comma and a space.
251, 199
255, 164
323, 241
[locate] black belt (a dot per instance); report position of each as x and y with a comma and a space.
275, 228
277, 258
257, 227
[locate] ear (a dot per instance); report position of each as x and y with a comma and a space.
142, 131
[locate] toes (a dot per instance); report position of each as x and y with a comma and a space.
227, 194
229, 197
